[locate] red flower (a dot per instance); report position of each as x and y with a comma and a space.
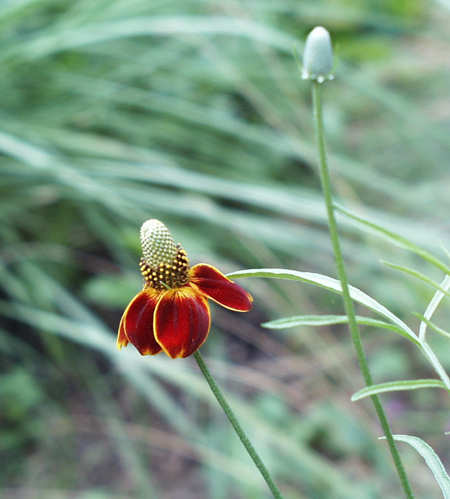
172, 313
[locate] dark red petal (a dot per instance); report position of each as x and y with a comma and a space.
182, 321
219, 288
122, 340
138, 321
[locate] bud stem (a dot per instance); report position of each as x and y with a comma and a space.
348, 303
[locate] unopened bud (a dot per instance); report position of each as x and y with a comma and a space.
318, 56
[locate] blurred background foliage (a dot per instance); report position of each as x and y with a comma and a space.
193, 112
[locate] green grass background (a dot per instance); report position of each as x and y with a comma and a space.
115, 111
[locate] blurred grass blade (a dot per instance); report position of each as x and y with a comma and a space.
395, 238
432, 306
433, 326
431, 458
63, 39
395, 386
328, 320
331, 284
417, 275
446, 251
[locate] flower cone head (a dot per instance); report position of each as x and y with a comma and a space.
171, 313
164, 264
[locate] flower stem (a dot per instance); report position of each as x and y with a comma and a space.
237, 427
348, 303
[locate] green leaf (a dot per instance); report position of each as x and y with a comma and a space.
327, 320
333, 285
395, 386
416, 274
398, 240
431, 458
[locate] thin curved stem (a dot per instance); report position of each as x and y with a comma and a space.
433, 305
348, 303
237, 427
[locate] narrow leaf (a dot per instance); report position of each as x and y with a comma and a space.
431, 458
395, 386
398, 240
332, 285
328, 320
417, 275
305, 320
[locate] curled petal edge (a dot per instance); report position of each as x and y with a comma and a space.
122, 339
137, 322
216, 286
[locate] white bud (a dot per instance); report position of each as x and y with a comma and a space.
318, 56
157, 243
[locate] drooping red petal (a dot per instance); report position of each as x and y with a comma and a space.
182, 321
219, 288
122, 340
137, 321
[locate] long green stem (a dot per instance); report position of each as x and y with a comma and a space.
237, 427
348, 303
